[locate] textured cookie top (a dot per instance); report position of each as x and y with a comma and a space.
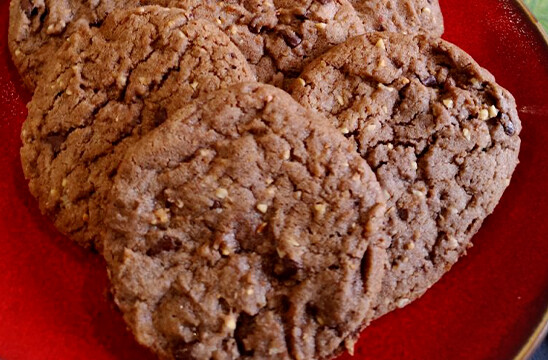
245, 227
110, 86
276, 36
440, 134
403, 16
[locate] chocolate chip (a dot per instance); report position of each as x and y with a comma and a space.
430, 81
167, 243
216, 205
403, 214
285, 269
160, 116
509, 129
56, 141
291, 39
508, 125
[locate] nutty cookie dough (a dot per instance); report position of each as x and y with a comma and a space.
403, 16
277, 36
111, 86
440, 134
245, 227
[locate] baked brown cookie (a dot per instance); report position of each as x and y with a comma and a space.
440, 134
276, 36
109, 87
245, 227
404, 16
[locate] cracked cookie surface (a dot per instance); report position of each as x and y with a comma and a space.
112, 85
440, 134
403, 16
245, 227
277, 36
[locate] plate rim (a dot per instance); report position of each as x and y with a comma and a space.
541, 330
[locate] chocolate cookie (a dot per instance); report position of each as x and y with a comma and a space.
404, 16
440, 134
109, 87
276, 36
245, 227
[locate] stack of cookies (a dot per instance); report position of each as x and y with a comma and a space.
263, 177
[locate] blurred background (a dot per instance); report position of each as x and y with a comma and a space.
540, 9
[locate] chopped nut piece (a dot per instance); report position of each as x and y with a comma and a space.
230, 322
320, 209
344, 130
474, 81
349, 345
382, 63
452, 242
402, 302
233, 30
298, 195
426, 10
286, 155
261, 228
466, 134
381, 86
405, 81
194, 85
250, 291
85, 217
384, 109
54, 192
390, 146
219, 21
262, 208
301, 81
507, 182
281, 253
293, 242
225, 250
380, 44
340, 100
17, 52
221, 193
414, 165
69, 92
122, 79
418, 193
320, 320
64, 182
409, 246
483, 114
448, 103
370, 127
161, 215
321, 26
493, 111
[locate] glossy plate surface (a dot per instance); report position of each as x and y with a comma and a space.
54, 299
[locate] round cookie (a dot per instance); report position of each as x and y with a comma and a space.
276, 36
245, 227
403, 16
110, 86
440, 134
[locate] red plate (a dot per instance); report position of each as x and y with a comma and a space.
53, 295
